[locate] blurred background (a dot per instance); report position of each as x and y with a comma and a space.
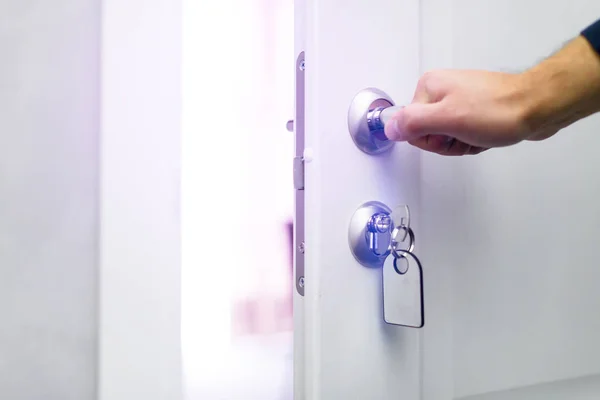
237, 199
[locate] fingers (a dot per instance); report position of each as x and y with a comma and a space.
421, 123
418, 120
445, 145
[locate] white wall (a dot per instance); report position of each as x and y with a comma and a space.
509, 237
89, 227
49, 106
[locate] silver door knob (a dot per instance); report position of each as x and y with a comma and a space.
371, 228
369, 111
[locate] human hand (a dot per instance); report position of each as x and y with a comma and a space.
458, 112
462, 112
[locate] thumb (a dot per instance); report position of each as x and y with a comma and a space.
415, 121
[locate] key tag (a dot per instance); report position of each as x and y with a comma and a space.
403, 283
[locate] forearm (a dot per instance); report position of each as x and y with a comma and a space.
564, 88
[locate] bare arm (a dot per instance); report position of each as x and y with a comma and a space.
457, 112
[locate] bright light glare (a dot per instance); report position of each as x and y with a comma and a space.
212, 172
237, 196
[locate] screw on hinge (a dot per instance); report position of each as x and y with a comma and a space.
301, 247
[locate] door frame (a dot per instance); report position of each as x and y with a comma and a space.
139, 232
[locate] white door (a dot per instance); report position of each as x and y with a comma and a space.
507, 238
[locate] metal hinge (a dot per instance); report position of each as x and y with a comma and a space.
299, 173
298, 126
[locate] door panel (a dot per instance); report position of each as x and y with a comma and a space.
507, 238
349, 352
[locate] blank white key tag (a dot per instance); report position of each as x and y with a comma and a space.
403, 290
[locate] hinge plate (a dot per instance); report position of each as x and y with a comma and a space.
299, 242
298, 173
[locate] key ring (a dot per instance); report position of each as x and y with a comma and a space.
404, 256
394, 243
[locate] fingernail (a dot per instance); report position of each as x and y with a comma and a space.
393, 129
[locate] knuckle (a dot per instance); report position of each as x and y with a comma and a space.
429, 75
431, 83
425, 80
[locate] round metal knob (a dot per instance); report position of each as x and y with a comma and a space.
370, 109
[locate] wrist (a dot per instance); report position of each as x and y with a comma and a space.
562, 89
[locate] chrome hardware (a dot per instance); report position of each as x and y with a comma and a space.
377, 241
369, 111
299, 173
375, 232
370, 234
378, 233
297, 125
